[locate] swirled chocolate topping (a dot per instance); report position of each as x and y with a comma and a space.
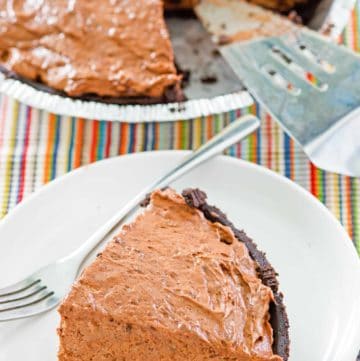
171, 286
112, 48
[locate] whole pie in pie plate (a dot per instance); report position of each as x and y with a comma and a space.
153, 60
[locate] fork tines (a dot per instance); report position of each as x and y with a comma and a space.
23, 298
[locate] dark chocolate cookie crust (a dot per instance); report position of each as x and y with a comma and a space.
278, 317
172, 94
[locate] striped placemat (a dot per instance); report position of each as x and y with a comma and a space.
36, 147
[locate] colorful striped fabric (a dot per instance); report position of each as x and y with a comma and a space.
36, 147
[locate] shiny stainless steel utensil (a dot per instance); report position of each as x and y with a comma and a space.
45, 288
311, 86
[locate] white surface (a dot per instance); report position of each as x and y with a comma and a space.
318, 266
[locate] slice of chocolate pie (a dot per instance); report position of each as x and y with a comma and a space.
178, 283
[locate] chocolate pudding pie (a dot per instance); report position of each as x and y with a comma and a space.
178, 283
116, 51
113, 49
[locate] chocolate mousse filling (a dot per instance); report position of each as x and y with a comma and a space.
119, 50
278, 316
176, 284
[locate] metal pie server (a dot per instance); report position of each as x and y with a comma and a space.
310, 86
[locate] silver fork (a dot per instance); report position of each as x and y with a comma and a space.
46, 287
322, 115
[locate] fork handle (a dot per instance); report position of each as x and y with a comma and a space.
233, 133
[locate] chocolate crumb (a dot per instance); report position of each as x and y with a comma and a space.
186, 75
178, 107
145, 202
215, 52
194, 197
209, 79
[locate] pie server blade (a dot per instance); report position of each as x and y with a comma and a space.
310, 86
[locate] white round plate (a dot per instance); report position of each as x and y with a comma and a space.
318, 266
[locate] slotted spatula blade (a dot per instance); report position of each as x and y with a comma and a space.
312, 88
